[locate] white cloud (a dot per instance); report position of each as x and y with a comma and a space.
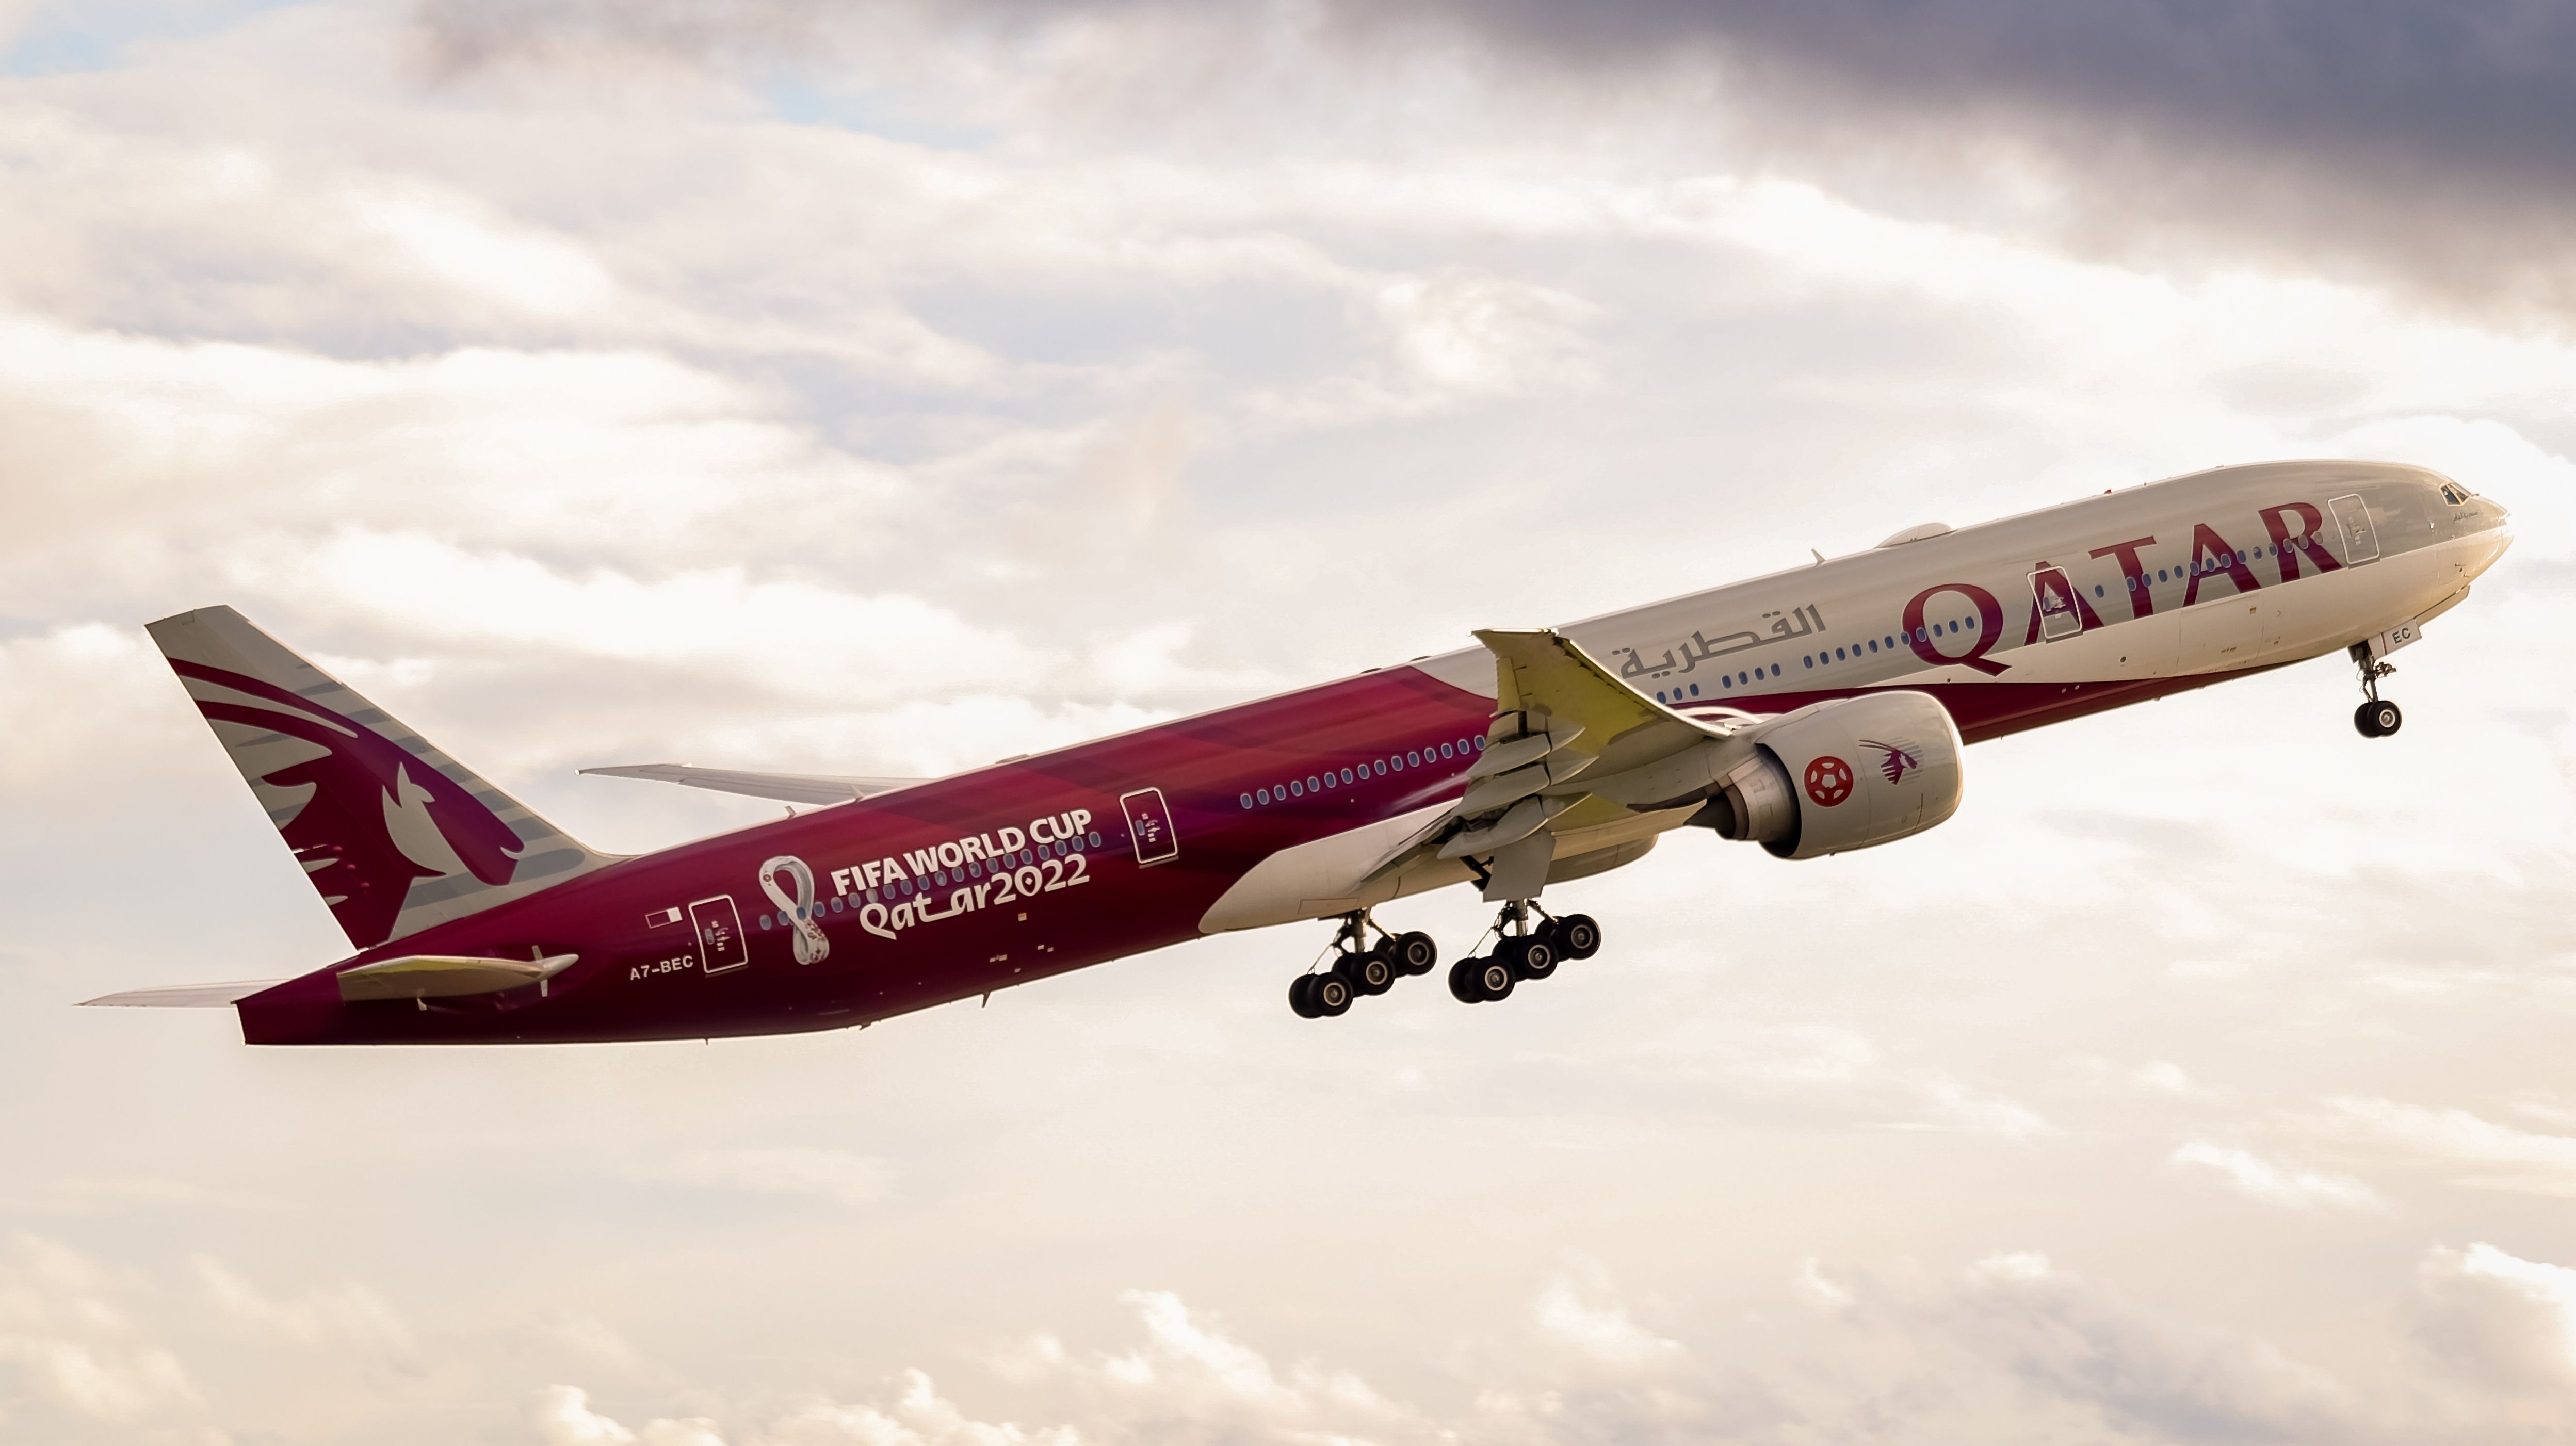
563, 1417
69, 1344
2166, 1077
794, 637
2497, 1317
2260, 1179
345, 1317
834, 1175
1817, 1290
1956, 1106
128, 709
2497, 1157
514, 265
1602, 1330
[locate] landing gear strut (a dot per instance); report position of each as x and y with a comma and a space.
1522, 952
1359, 967
2377, 717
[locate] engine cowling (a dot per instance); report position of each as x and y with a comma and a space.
1845, 774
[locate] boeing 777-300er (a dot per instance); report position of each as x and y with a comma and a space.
1809, 712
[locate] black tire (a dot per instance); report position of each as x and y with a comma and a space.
1576, 936
1332, 995
2385, 720
1368, 973
2362, 722
1529, 955
1462, 981
1494, 980
1301, 997
1414, 953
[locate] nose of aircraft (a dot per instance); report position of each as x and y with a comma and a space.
2498, 534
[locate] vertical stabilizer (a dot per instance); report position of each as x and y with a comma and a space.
395, 834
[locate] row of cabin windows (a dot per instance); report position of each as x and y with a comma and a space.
1392, 763
1922, 634
1726, 681
939, 878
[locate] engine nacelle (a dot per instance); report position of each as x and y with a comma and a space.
1844, 774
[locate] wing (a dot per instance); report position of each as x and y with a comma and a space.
1572, 751
1578, 774
789, 787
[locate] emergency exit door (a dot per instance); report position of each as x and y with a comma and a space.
2360, 543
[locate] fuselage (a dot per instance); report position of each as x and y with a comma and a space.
1032, 867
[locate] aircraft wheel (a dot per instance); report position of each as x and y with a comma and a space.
1301, 997
1528, 957
2377, 718
1413, 953
1493, 980
1332, 995
1462, 981
1576, 936
1368, 973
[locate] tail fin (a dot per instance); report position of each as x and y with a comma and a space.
395, 834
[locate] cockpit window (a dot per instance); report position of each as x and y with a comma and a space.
2454, 493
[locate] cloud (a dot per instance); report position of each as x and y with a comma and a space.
834, 1175
484, 255
2497, 1318
2259, 1179
346, 1317
2166, 1077
2495, 1156
791, 636
2144, 1373
1599, 1329
69, 1344
563, 1417
2305, 130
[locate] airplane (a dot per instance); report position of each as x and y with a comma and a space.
1810, 712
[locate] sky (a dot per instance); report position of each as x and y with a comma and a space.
892, 388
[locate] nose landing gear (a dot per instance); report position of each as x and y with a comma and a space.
1358, 970
1522, 952
2376, 717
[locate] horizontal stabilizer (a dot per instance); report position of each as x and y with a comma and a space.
448, 976
184, 996
787, 787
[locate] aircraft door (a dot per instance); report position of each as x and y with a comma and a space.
718, 926
2054, 595
1149, 824
2360, 542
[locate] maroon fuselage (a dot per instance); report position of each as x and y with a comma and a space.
631, 981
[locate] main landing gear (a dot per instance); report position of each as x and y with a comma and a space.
1521, 952
2376, 718
1360, 968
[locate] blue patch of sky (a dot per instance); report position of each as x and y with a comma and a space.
799, 98
69, 37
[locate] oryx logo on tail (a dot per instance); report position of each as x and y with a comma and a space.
394, 834
372, 818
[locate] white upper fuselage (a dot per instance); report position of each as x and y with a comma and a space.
1851, 622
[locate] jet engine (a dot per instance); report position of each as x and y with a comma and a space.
1849, 773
